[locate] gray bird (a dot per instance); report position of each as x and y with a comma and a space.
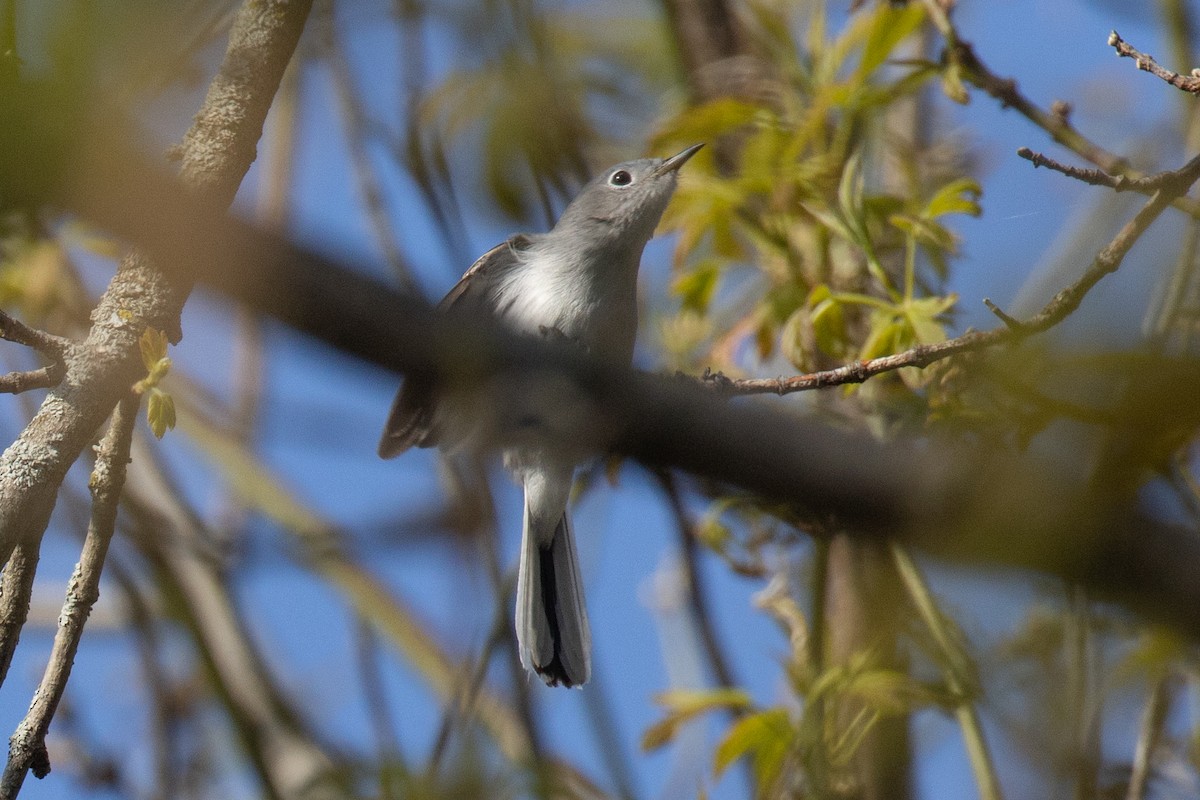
578, 283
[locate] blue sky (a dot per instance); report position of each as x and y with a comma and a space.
322, 417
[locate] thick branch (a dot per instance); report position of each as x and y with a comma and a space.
27, 747
215, 155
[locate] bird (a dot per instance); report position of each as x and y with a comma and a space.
576, 284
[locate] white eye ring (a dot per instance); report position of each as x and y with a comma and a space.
620, 178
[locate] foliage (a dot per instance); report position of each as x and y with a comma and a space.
160, 406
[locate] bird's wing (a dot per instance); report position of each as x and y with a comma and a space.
412, 421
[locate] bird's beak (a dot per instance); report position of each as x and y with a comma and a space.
676, 161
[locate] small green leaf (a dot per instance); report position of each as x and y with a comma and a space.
953, 86
956, 197
684, 705
766, 736
890, 692
828, 320
696, 288
923, 317
891, 26
707, 122
153, 345
160, 412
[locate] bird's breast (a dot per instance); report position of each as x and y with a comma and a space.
579, 302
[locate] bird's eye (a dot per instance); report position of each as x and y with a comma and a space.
621, 178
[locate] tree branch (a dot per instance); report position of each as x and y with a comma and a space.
1061, 306
1146, 63
54, 347
697, 596
215, 155
27, 747
1147, 184
1055, 122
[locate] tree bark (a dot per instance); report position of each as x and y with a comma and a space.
215, 155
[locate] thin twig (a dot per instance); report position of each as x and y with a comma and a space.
47, 344
25, 380
53, 347
697, 597
1146, 63
1085, 697
1154, 718
356, 123
1145, 184
1002, 315
27, 747
1055, 311
1054, 122
383, 726
166, 713
952, 658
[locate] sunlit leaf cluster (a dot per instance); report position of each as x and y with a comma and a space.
813, 232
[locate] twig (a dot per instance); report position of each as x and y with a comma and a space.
1058, 309
952, 658
1054, 122
1013, 323
1154, 718
1086, 699
1146, 184
383, 726
355, 122
166, 712
27, 747
461, 702
1146, 63
49, 345
697, 598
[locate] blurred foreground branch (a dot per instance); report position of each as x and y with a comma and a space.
967, 503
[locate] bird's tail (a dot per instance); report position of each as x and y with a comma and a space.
552, 627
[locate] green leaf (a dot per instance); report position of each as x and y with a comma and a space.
890, 692
956, 197
926, 231
922, 315
706, 122
766, 736
889, 28
953, 86
160, 412
684, 705
153, 345
697, 287
792, 336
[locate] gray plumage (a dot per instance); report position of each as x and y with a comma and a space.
579, 283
